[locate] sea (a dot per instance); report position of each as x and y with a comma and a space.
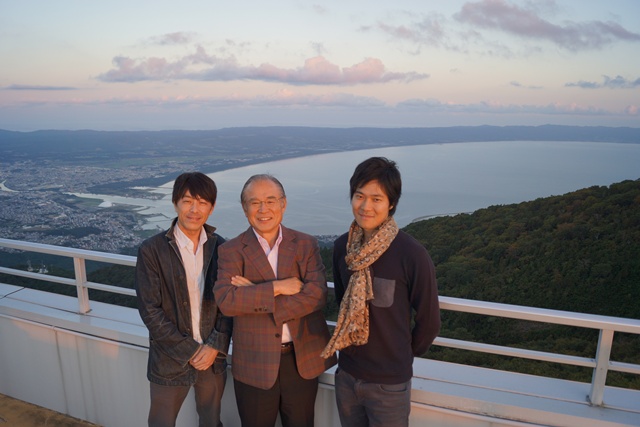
437, 179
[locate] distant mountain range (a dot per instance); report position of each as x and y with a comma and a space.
91, 146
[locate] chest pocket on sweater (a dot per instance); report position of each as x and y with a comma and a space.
383, 292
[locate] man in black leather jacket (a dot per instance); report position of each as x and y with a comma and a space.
188, 335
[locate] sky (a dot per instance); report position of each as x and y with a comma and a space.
198, 65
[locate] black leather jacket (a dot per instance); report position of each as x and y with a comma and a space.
163, 303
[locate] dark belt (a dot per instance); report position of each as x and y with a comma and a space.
286, 347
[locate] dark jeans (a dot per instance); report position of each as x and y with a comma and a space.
363, 404
167, 400
293, 396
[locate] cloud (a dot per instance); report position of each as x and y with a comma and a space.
37, 87
201, 66
293, 99
583, 84
284, 98
434, 30
287, 97
489, 107
520, 85
320, 9
631, 110
482, 19
429, 30
130, 70
318, 48
617, 82
177, 38
526, 23
296, 106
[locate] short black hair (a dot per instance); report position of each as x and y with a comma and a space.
260, 177
384, 171
197, 184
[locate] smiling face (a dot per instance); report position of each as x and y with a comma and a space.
264, 206
370, 206
192, 212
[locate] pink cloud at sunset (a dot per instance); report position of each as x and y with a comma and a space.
317, 70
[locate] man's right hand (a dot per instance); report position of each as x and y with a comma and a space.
204, 357
290, 286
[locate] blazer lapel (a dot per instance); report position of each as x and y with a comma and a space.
256, 256
287, 254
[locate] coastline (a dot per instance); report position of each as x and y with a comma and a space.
439, 179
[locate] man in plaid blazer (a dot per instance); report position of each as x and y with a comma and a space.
271, 280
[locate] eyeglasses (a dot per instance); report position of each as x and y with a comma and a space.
270, 203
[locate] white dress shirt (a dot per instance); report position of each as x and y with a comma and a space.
193, 264
272, 256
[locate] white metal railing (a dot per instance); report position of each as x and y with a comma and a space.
601, 363
79, 256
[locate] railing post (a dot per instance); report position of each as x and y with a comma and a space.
80, 269
599, 379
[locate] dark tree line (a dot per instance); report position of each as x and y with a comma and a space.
578, 252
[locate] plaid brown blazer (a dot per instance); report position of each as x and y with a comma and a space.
258, 315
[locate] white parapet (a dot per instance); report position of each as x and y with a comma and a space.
93, 367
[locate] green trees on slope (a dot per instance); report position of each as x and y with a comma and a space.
577, 252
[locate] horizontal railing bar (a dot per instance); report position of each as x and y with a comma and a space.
568, 318
70, 252
628, 368
38, 276
110, 288
516, 352
67, 281
558, 317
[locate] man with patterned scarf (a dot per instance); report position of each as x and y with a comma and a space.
381, 274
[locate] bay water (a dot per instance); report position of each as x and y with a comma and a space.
438, 179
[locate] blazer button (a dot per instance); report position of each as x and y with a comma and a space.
277, 335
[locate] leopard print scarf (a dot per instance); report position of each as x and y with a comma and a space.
352, 327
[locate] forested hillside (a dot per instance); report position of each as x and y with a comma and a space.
577, 252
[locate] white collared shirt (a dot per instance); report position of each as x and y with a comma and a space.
272, 256
193, 266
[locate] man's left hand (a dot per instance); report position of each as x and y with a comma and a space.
240, 281
204, 358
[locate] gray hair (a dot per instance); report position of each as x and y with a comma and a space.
260, 177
